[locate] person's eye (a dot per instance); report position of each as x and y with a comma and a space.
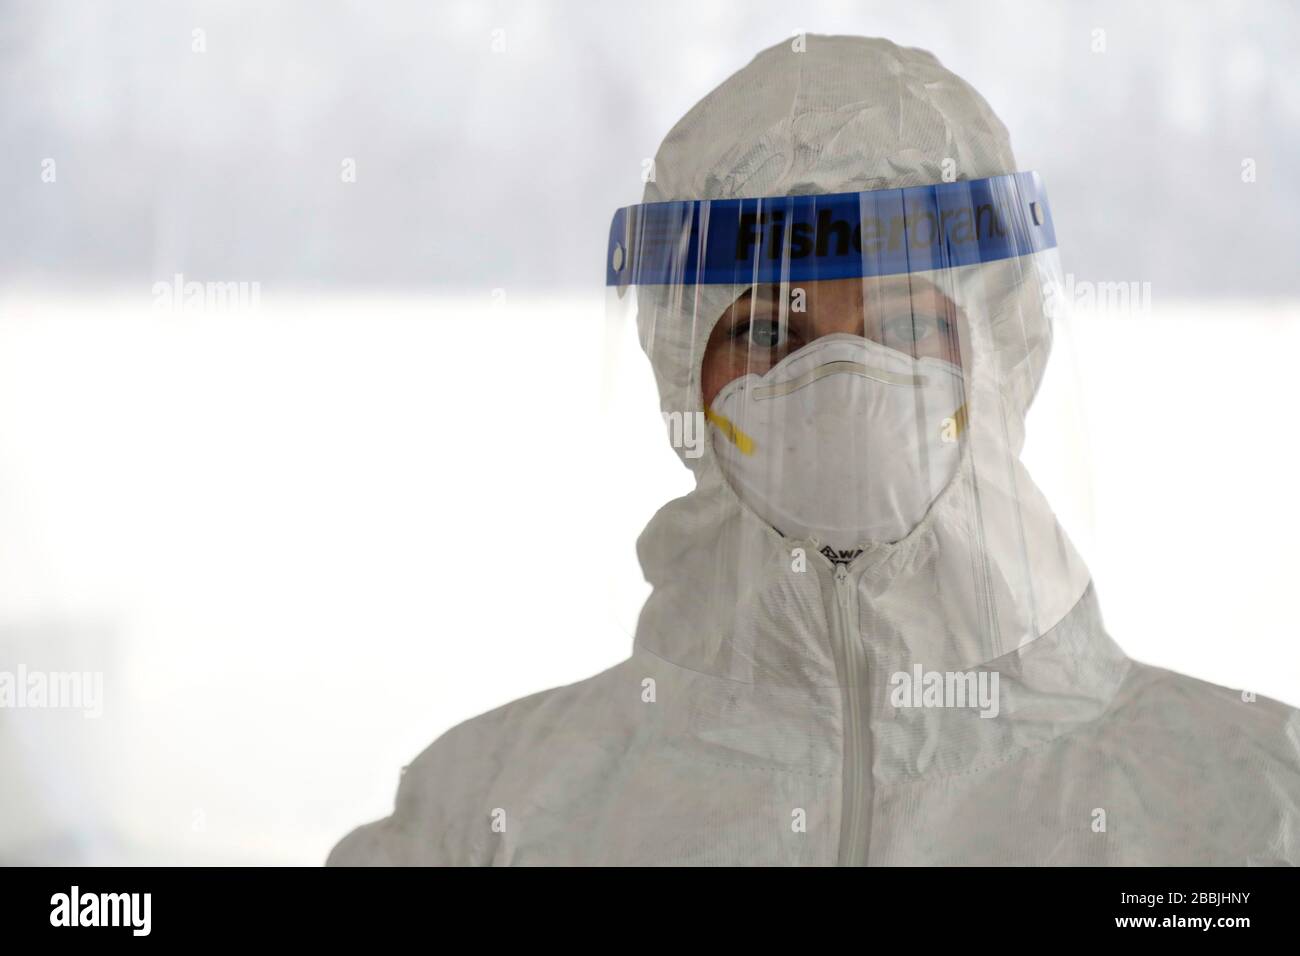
911, 329
761, 333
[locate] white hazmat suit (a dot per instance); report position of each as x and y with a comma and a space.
775, 708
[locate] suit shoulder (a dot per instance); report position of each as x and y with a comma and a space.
1176, 702
449, 796
1212, 740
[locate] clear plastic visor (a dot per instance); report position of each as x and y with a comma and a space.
855, 371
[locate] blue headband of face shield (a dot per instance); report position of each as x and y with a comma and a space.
837, 236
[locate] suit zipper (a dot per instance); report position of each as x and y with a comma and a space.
855, 807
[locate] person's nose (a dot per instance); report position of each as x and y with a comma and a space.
844, 315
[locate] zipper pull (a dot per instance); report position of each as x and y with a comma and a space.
841, 574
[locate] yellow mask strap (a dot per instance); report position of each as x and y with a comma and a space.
738, 438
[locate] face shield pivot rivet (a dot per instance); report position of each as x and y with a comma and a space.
1037, 212
617, 258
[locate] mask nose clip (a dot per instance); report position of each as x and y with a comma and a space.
843, 366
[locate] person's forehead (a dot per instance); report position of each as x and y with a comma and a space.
869, 290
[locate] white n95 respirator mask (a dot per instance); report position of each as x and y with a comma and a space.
845, 442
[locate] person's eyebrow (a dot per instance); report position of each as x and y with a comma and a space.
763, 294
914, 289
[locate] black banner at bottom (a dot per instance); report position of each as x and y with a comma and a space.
333, 906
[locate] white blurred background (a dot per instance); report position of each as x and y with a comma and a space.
302, 539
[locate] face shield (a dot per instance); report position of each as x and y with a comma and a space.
852, 375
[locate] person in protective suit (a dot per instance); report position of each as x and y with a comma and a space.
869, 641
